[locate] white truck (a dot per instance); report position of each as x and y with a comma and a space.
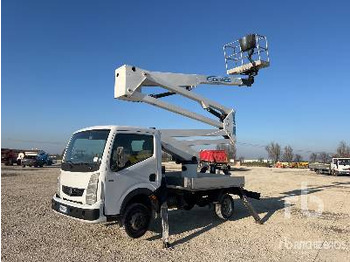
115, 172
338, 166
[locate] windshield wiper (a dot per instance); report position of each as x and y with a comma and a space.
70, 163
86, 164
90, 165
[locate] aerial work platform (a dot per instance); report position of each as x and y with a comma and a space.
247, 55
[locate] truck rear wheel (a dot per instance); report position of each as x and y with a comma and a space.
226, 169
136, 220
225, 207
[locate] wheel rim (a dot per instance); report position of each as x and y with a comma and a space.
226, 207
138, 221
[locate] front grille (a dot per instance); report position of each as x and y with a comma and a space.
78, 202
71, 191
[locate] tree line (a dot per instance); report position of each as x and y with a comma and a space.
275, 153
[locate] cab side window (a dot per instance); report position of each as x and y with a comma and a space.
136, 149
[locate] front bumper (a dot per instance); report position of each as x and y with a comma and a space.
92, 215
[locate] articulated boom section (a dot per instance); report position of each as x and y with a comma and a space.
128, 86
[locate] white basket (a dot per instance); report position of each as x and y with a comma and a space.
247, 62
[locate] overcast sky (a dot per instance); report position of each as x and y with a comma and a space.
59, 57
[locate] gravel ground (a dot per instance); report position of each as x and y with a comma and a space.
31, 231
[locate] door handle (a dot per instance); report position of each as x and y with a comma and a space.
152, 177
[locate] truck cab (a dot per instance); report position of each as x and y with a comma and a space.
95, 184
340, 166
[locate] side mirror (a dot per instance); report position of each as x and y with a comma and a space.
120, 157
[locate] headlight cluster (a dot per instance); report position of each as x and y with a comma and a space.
91, 191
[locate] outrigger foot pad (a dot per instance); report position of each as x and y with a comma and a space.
166, 245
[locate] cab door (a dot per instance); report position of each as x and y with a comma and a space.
141, 169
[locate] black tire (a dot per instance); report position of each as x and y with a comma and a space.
224, 209
226, 170
188, 202
188, 207
212, 169
23, 166
203, 168
136, 220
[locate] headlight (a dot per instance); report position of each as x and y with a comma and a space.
91, 191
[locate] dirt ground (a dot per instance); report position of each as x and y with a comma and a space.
306, 218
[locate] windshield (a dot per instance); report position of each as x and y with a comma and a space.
344, 162
85, 150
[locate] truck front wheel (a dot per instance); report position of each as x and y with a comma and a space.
136, 220
224, 209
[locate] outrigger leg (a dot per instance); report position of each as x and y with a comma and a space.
244, 194
165, 224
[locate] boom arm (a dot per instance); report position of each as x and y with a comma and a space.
130, 80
